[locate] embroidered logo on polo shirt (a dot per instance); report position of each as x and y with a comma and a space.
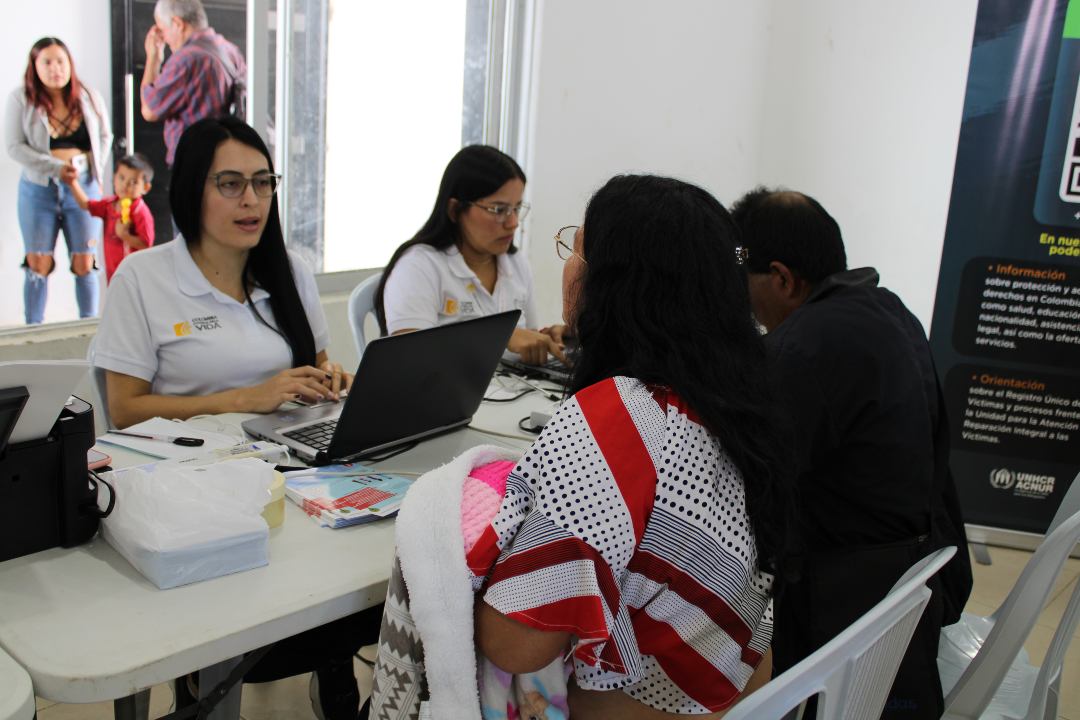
182, 328
450, 306
208, 322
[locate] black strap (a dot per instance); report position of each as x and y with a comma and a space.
90, 507
205, 706
212, 49
238, 88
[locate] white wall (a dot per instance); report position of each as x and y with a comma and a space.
855, 102
83, 25
862, 110
666, 87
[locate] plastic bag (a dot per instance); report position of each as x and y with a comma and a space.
182, 525
958, 646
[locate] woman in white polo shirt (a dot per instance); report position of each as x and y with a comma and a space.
463, 263
224, 318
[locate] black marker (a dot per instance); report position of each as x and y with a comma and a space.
185, 441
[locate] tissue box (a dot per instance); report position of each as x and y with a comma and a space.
182, 566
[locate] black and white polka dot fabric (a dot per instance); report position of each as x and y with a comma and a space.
625, 524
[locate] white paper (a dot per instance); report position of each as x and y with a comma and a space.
168, 450
50, 383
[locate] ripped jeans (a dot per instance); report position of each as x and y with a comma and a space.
44, 210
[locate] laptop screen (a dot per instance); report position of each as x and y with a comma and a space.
422, 382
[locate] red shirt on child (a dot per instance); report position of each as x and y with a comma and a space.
115, 249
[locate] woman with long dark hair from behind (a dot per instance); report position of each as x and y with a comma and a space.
223, 319
655, 499
58, 130
463, 263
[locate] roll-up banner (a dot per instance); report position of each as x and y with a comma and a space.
1006, 325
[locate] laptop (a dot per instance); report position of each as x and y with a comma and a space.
407, 387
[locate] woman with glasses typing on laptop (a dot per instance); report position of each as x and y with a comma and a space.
641, 533
223, 319
463, 263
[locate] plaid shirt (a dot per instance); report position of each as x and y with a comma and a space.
192, 85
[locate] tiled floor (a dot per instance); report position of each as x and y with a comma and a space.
992, 584
289, 698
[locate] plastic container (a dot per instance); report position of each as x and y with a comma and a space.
274, 513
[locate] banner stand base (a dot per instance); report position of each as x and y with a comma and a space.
982, 535
981, 553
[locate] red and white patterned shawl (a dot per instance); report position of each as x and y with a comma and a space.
625, 524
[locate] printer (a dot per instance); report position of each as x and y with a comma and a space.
47, 495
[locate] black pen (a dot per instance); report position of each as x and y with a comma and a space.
185, 441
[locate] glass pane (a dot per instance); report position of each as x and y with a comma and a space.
393, 120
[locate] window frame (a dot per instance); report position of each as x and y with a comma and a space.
499, 34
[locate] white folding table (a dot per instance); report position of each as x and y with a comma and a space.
88, 627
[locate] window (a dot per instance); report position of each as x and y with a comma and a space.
404, 86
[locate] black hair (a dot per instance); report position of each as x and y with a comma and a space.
475, 172
663, 298
268, 263
792, 228
139, 163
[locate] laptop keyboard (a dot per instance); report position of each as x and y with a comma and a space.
317, 435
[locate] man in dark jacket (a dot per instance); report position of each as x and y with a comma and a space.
869, 439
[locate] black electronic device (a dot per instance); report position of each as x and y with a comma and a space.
47, 496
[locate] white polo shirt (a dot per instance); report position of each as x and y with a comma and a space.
430, 287
166, 324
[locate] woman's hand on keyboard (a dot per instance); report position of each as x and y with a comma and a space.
556, 333
302, 383
335, 379
533, 346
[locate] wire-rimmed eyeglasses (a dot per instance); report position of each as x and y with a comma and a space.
503, 211
564, 242
233, 184
564, 245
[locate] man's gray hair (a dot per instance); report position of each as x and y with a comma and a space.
190, 11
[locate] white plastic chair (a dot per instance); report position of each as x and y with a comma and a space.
854, 671
999, 680
16, 691
98, 376
361, 304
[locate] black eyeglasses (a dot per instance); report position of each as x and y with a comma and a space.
503, 211
233, 184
